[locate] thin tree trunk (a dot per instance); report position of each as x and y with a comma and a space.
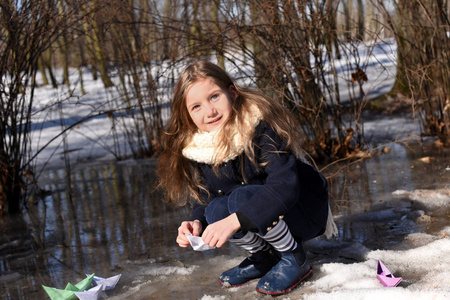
347, 4
48, 63
42, 71
94, 40
195, 31
167, 41
360, 28
217, 32
62, 41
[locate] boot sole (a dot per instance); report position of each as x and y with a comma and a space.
228, 285
277, 293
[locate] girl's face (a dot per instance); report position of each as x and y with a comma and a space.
209, 105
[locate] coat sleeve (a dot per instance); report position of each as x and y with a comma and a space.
198, 213
281, 190
198, 210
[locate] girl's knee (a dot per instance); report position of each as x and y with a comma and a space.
224, 206
240, 196
217, 210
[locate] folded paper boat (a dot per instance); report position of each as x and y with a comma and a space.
91, 294
386, 277
83, 290
197, 243
68, 292
106, 283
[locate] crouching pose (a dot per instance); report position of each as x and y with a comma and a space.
236, 154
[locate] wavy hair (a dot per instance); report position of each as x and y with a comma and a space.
178, 176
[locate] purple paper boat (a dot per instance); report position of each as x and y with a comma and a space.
386, 277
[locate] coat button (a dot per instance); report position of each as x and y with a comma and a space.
220, 192
269, 228
281, 217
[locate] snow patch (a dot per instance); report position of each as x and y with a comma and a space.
432, 199
425, 271
377, 294
158, 271
207, 297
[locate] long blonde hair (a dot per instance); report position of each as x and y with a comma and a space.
178, 176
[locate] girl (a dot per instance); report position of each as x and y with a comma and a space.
236, 154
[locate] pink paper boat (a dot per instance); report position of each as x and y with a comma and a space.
386, 277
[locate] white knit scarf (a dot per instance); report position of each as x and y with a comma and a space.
203, 146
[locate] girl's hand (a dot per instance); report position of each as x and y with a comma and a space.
216, 234
188, 227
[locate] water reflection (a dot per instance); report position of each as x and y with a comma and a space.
359, 188
103, 216
90, 222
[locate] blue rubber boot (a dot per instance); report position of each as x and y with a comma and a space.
254, 266
292, 269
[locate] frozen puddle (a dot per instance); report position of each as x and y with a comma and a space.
393, 207
343, 269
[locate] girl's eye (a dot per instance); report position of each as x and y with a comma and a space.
195, 107
214, 97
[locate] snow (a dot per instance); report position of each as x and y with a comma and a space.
165, 271
425, 271
425, 267
433, 200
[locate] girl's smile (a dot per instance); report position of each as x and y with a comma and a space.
209, 105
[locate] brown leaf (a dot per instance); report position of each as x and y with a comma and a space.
426, 159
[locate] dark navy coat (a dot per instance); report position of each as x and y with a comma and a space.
292, 190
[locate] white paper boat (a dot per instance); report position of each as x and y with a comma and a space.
107, 283
91, 294
198, 244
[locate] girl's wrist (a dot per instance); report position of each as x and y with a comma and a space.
235, 221
245, 223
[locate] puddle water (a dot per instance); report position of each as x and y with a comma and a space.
108, 220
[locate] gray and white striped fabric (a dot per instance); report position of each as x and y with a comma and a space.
281, 238
251, 242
